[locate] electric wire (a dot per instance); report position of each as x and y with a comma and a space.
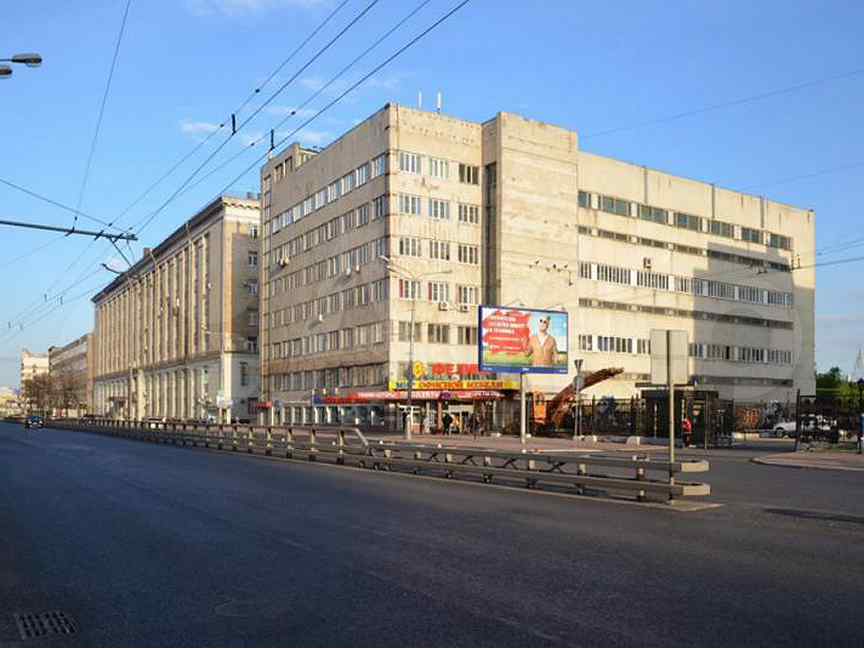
95, 138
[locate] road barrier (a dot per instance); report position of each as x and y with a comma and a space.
639, 477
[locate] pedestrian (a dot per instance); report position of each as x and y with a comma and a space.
687, 431
447, 421
473, 424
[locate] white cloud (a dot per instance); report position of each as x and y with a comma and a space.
234, 8
284, 111
198, 127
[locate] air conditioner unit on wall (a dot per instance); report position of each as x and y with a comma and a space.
464, 308
646, 263
443, 306
283, 262
348, 271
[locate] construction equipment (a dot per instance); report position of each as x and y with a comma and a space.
551, 414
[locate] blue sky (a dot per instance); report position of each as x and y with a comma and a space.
184, 65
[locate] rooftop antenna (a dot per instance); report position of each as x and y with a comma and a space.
419, 100
438, 105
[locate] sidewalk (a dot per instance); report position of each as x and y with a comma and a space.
512, 443
815, 460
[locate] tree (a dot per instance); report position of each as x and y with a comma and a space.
37, 392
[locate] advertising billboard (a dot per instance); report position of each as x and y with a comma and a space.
522, 340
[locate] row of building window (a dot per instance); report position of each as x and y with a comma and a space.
355, 337
723, 318
621, 207
343, 264
343, 300
438, 168
438, 291
699, 350
437, 249
437, 208
327, 195
330, 378
438, 333
719, 255
687, 285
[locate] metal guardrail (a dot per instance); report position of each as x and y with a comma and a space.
638, 476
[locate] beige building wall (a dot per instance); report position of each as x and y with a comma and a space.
70, 374
557, 228
176, 336
32, 365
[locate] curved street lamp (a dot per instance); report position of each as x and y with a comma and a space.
30, 60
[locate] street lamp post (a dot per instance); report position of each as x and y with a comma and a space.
860, 384
412, 277
30, 60
577, 387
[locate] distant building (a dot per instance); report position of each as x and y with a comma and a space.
32, 365
176, 335
512, 211
858, 370
70, 377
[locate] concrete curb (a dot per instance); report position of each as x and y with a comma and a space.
767, 461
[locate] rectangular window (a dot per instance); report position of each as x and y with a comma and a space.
614, 205
469, 174
347, 183
438, 334
409, 204
654, 214
438, 291
244, 374
439, 209
378, 333
586, 342
688, 221
381, 247
469, 214
252, 318
409, 162
362, 174
469, 254
379, 290
362, 215
405, 331
379, 165
252, 344
584, 199
751, 235
719, 228
379, 207
438, 168
409, 289
467, 294
467, 335
778, 241
252, 286
333, 191
253, 232
410, 246
253, 259
439, 250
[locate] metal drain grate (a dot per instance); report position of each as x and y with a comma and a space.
44, 624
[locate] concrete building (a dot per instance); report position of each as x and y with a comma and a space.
32, 365
69, 368
176, 336
504, 212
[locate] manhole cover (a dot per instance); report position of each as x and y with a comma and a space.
44, 624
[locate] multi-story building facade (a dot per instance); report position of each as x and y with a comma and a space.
32, 365
511, 211
176, 335
69, 368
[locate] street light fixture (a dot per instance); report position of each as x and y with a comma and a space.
30, 60
411, 276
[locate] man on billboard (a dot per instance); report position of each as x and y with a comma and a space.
542, 347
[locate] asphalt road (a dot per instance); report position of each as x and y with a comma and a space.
151, 545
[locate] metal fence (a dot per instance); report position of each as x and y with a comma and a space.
639, 477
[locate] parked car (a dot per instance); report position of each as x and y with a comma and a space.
154, 422
33, 422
